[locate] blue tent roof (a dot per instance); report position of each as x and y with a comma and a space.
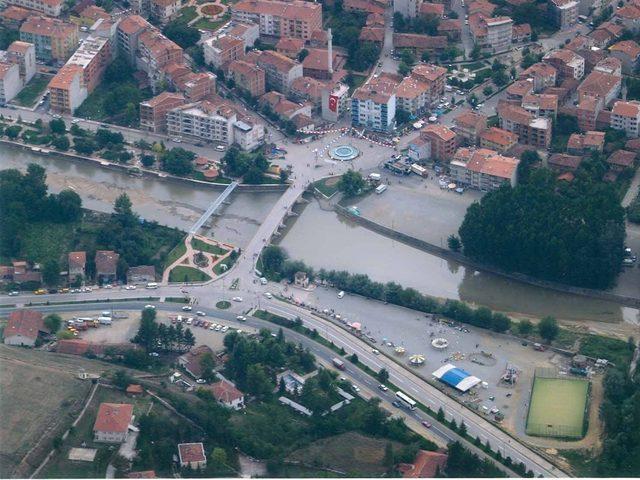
454, 376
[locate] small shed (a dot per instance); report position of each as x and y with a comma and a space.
135, 390
579, 361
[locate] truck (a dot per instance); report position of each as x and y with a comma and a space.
419, 170
151, 286
339, 364
104, 320
381, 188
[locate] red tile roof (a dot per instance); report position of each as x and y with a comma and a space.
134, 388
113, 417
225, 392
442, 132
622, 158
191, 452
628, 47
626, 109
26, 323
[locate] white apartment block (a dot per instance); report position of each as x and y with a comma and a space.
53, 8
564, 13
499, 33
407, 8
373, 105
10, 83
280, 71
24, 54
626, 116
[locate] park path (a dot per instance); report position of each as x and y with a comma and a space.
186, 260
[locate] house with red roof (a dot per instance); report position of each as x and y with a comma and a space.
23, 328
112, 422
227, 394
192, 455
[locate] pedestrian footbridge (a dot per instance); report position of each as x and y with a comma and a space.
213, 207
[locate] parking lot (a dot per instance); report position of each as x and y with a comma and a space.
479, 352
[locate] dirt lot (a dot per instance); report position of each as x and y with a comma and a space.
350, 452
36, 399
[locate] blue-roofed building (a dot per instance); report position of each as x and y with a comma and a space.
456, 377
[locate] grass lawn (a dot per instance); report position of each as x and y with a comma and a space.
205, 247
61, 467
29, 94
205, 23
352, 453
223, 304
557, 407
328, 187
614, 350
187, 274
357, 81
44, 241
229, 261
186, 15
178, 251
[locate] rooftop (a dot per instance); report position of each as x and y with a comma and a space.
113, 417
441, 131
47, 26
628, 47
293, 10
225, 392
499, 136
26, 323
191, 452
626, 109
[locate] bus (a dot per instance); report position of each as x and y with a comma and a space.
406, 400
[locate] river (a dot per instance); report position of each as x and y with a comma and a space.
325, 240
320, 238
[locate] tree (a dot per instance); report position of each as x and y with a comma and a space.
527, 160
425, 57
302, 54
182, 34
351, 183
453, 242
462, 430
13, 131
488, 90
476, 52
66, 206
61, 143
148, 331
53, 322
57, 126
207, 364
121, 379
219, 457
273, 258
525, 327
383, 375
548, 329
51, 273
440, 415
84, 146
402, 116
178, 161
353, 358
404, 69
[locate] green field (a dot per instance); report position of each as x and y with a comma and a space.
558, 407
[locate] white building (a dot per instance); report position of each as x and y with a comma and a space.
483, 169
24, 54
335, 102
112, 422
564, 13
10, 83
407, 8
373, 105
53, 8
626, 116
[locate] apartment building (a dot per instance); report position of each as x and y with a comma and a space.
498, 139
442, 139
587, 112
543, 76
10, 84
563, 13
418, 91
290, 47
307, 89
626, 116
12, 17
600, 85
285, 109
491, 34
163, 10
335, 102
80, 75
373, 104
468, 126
584, 144
53, 39
628, 52
24, 55
221, 50
530, 130
519, 89
541, 105
567, 63
153, 112
129, 30
53, 8
610, 65
407, 8
247, 77
483, 169
214, 122
195, 86
297, 19
279, 70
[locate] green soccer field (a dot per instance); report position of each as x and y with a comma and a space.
557, 407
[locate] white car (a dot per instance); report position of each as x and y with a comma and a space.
154, 354
375, 352
201, 380
355, 388
212, 327
225, 328
237, 299
186, 308
14, 293
130, 287
189, 321
151, 307
268, 295
201, 314
218, 328
382, 387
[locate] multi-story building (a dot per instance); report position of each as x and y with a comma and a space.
407, 8
373, 104
442, 139
610, 65
521, 33
421, 89
530, 130
221, 50
153, 112
248, 32
129, 30
211, 122
498, 139
626, 116
600, 85
163, 10
285, 109
563, 13
13, 17
112, 422
154, 52
279, 70
628, 52
335, 102
24, 55
491, 34
53, 39
53, 8
319, 63
196, 86
583, 144
434, 76
468, 126
90, 15
541, 104
10, 84
80, 75
567, 63
291, 47
483, 169
247, 77
587, 112
297, 19
629, 17
519, 89
307, 89
543, 75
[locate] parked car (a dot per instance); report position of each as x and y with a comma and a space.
426, 424
241, 318
186, 308
237, 299
201, 314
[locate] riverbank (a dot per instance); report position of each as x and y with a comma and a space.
629, 301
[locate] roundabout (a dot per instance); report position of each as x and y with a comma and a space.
344, 153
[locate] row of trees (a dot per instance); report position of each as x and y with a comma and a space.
276, 266
24, 200
153, 336
250, 166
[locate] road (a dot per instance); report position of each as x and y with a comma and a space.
438, 432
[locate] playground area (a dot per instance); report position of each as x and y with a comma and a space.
558, 406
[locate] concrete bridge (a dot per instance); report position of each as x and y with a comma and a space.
213, 207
